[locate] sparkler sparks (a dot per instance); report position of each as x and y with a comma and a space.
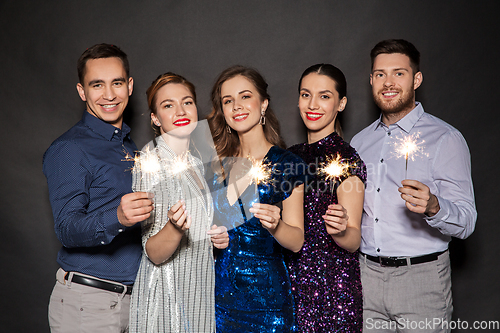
179, 164
147, 162
260, 172
334, 168
409, 147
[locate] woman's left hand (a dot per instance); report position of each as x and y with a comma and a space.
336, 219
219, 236
269, 215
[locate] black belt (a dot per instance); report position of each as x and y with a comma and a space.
398, 261
88, 281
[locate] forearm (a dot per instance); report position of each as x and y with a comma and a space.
161, 246
80, 229
290, 237
349, 240
454, 219
351, 195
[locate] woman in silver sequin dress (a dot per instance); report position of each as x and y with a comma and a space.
174, 288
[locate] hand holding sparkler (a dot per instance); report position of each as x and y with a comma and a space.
178, 216
219, 236
134, 207
268, 215
419, 198
336, 219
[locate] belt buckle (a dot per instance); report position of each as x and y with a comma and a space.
387, 261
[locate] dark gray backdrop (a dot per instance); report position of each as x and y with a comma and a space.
40, 43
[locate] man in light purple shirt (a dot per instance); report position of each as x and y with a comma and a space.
414, 203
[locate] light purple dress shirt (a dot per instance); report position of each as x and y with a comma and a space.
388, 228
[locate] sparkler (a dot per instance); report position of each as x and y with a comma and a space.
179, 164
147, 164
334, 168
409, 146
260, 172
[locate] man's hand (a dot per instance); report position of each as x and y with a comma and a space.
134, 207
419, 198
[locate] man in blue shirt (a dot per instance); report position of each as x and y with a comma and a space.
95, 215
414, 203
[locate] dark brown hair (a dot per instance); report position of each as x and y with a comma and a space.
338, 78
100, 51
228, 144
159, 82
390, 46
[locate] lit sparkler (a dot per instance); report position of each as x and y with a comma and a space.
179, 164
334, 168
147, 164
260, 172
409, 146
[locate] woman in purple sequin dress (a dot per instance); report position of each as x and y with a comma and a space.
325, 274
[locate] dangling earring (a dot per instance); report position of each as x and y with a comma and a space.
228, 129
262, 120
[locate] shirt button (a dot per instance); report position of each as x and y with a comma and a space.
389, 133
102, 242
378, 250
382, 161
120, 230
116, 131
376, 219
378, 190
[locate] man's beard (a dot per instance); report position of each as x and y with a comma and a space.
404, 102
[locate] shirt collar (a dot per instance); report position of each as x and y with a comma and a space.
408, 121
103, 128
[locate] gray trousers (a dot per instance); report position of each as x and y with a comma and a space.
77, 308
413, 298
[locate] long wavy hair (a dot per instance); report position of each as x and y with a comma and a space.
340, 84
228, 144
159, 82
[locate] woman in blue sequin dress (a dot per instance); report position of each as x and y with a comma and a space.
252, 286
325, 273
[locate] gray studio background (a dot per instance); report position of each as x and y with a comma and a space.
41, 41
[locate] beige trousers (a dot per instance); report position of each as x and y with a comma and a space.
77, 308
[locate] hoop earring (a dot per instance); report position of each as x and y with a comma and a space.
262, 120
228, 129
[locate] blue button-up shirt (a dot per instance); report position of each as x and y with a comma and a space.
87, 174
388, 228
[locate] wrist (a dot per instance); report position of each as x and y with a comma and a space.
433, 207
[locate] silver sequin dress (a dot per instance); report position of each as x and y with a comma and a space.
177, 295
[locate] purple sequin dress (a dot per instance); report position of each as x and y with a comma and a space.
325, 278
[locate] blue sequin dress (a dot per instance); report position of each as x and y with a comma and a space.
252, 286
325, 278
